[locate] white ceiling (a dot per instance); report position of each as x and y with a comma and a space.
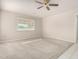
29, 7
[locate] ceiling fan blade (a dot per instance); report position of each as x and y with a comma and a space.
39, 7
47, 8
53, 4
48, 1
39, 2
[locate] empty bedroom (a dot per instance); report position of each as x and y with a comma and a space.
38, 29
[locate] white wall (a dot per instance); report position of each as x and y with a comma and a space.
0, 25
61, 26
8, 27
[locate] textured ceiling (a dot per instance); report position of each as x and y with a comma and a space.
29, 7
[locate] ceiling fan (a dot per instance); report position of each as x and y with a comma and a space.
46, 4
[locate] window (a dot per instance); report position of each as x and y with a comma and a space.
25, 24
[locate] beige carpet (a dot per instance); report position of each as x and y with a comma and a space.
35, 49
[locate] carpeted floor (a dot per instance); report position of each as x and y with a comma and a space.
35, 49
